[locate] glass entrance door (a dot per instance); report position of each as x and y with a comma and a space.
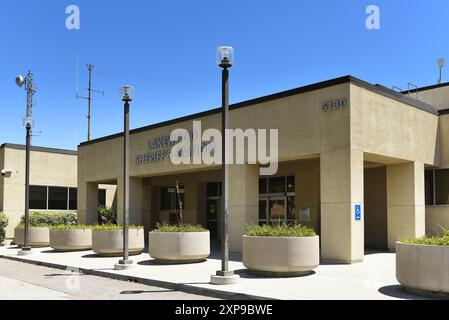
213, 214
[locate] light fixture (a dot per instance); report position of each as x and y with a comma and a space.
225, 56
20, 80
127, 92
441, 62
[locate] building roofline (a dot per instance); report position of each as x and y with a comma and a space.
316, 86
434, 86
39, 149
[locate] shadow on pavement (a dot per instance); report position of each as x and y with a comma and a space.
398, 291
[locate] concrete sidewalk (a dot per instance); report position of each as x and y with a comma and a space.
372, 279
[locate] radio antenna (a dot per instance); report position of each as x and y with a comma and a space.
90, 69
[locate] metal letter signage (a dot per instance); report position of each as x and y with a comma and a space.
334, 104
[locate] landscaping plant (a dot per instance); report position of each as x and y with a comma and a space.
45, 219
433, 241
106, 215
279, 230
3, 225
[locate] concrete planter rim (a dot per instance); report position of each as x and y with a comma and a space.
188, 232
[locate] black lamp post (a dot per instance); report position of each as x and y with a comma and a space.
127, 95
225, 60
28, 124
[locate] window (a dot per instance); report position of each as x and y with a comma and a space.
52, 198
57, 198
169, 198
38, 197
213, 189
437, 187
277, 200
102, 197
72, 198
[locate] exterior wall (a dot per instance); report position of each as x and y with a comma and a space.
438, 97
437, 217
444, 140
46, 168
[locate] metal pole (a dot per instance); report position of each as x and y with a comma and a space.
89, 96
225, 183
440, 80
26, 246
126, 182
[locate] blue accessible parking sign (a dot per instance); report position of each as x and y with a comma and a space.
358, 212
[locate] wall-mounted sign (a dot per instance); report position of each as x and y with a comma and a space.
358, 212
334, 105
304, 215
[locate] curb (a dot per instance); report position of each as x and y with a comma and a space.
213, 293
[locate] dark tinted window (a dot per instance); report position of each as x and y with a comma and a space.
442, 186
72, 199
429, 187
57, 198
38, 197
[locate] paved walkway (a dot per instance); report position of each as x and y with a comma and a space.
19, 281
372, 279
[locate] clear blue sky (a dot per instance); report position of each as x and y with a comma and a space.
166, 49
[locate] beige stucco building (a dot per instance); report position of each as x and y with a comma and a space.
52, 171
53, 182
352, 164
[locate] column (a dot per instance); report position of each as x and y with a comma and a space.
342, 230
87, 206
135, 201
405, 202
243, 202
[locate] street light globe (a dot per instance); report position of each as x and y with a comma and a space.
225, 56
20, 80
441, 62
127, 92
28, 122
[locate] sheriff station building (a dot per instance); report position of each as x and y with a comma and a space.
361, 164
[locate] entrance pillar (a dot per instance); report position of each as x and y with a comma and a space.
243, 201
135, 201
405, 202
342, 230
87, 206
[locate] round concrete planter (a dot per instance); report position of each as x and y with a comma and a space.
281, 256
179, 247
110, 242
423, 268
71, 239
37, 236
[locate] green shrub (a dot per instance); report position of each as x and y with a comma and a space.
70, 227
3, 225
39, 219
182, 227
279, 230
432, 241
106, 215
112, 227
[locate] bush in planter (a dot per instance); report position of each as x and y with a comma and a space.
422, 264
181, 227
179, 243
106, 227
432, 241
70, 237
107, 240
106, 215
300, 252
42, 219
3, 225
279, 230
